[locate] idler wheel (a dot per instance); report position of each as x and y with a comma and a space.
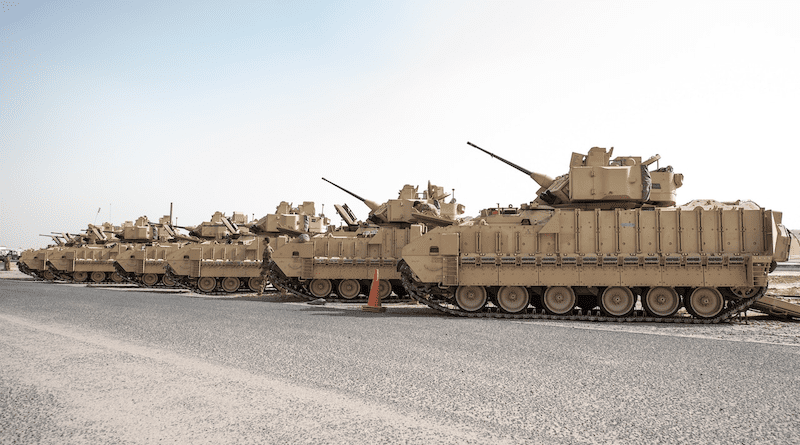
661, 301
168, 281
80, 276
254, 283
558, 300
471, 298
706, 302
117, 278
207, 284
617, 301
513, 299
231, 284
349, 289
150, 279
320, 287
98, 277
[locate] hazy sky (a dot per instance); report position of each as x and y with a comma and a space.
127, 106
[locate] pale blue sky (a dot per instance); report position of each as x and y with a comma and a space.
235, 106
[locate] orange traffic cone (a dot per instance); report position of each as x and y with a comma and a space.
374, 302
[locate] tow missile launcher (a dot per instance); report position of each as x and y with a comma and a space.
232, 262
343, 261
604, 236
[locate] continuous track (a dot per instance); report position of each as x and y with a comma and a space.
191, 284
427, 295
294, 287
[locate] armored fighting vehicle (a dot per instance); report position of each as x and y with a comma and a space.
232, 262
343, 261
34, 261
605, 235
143, 263
95, 258
76, 257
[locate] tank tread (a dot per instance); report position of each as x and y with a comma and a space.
190, 284
58, 274
294, 287
183, 282
129, 277
28, 271
422, 293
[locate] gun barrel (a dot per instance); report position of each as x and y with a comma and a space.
345, 190
543, 180
523, 170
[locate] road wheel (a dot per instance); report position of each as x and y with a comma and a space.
513, 299
254, 283
231, 284
558, 300
98, 277
349, 289
49, 276
617, 301
661, 301
168, 281
471, 298
80, 276
117, 278
384, 289
320, 287
150, 279
706, 302
207, 284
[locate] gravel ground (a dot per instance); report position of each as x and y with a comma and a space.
105, 365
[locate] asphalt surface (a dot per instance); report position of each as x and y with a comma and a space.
96, 365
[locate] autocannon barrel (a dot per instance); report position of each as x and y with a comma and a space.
372, 205
543, 180
523, 170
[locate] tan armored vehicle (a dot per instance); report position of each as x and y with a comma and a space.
605, 235
343, 261
76, 257
94, 258
143, 263
34, 261
232, 261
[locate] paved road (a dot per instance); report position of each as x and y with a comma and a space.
91, 365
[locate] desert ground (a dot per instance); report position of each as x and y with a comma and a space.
92, 364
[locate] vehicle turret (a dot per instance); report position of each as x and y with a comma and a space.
220, 227
595, 180
410, 207
291, 220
